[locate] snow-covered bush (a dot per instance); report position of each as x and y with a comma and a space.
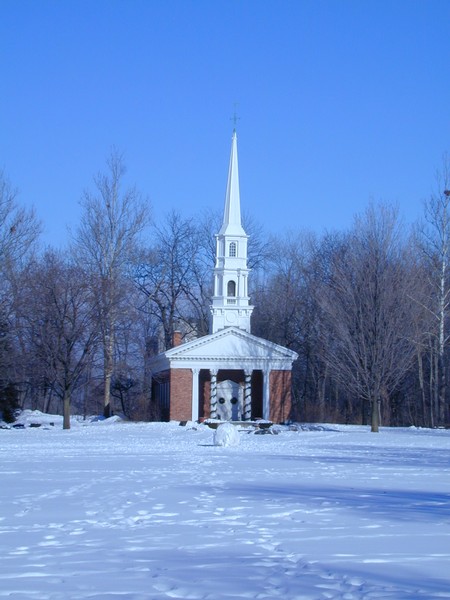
226, 435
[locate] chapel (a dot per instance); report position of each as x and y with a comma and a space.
228, 374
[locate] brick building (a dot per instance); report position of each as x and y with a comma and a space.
229, 374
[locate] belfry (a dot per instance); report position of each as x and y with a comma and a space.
229, 374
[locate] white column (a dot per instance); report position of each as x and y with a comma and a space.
248, 396
213, 394
195, 373
266, 395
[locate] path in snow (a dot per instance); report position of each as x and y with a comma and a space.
156, 511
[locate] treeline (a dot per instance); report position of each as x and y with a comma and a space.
367, 310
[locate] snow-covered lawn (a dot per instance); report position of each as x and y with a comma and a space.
153, 511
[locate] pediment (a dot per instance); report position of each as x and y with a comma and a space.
230, 343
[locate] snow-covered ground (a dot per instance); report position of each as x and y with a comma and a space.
153, 511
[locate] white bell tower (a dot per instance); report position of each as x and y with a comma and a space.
230, 303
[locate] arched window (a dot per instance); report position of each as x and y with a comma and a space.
233, 249
231, 288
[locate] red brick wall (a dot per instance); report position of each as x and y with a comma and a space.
180, 394
280, 396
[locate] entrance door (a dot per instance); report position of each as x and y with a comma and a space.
230, 401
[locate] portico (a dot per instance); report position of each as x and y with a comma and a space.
200, 375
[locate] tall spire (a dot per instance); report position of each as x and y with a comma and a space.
230, 303
232, 213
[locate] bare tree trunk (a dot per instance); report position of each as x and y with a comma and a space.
86, 389
441, 361
375, 418
66, 409
422, 387
436, 389
108, 374
47, 401
322, 388
431, 386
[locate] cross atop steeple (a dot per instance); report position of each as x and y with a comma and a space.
235, 118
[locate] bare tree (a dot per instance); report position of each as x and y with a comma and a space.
366, 304
19, 228
424, 326
166, 275
9, 400
278, 312
19, 232
435, 247
131, 383
286, 312
106, 244
61, 324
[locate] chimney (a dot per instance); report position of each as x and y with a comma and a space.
176, 339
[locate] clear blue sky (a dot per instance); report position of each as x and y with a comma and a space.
339, 102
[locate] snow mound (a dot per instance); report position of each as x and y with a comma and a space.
109, 420
311, 427
226, 435
36, 418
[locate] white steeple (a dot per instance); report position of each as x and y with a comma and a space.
232, 213
230, 303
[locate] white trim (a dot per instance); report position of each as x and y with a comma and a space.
233, 363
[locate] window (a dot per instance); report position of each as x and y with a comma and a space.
233, 249
231, 288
